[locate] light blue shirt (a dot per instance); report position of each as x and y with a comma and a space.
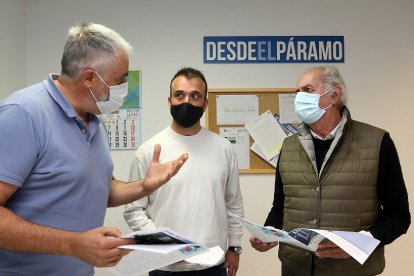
63, 170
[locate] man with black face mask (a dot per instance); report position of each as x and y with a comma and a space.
197, 198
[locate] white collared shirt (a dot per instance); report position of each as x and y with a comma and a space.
331, 135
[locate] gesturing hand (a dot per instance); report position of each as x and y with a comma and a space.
158, 174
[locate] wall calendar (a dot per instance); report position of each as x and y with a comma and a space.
124, 126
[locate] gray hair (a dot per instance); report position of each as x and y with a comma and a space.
332, 77
90, 45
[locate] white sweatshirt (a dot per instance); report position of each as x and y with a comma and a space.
194, 202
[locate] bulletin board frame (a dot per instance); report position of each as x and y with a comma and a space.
268, 100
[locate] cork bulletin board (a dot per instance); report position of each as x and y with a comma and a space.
268, 100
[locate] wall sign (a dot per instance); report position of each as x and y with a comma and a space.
274, 49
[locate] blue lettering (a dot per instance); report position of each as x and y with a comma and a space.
273, 49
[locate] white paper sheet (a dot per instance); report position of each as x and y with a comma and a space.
157, 248
267, 133
357, 244
287, 109
236, 109
239, 138
214, 256
138, 262
255, 148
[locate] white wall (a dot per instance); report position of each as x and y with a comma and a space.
12, 46
378, 69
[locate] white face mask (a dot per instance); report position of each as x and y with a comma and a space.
117, 94
307, 106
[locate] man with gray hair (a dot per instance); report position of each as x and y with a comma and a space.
336, 174
55, 168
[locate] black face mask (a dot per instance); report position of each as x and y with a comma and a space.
185, 114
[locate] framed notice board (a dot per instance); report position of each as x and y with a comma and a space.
268, 99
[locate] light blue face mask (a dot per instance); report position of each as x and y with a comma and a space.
307, 106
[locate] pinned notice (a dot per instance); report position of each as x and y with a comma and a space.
236, 109
267, 133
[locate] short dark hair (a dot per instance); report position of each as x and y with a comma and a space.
189, 73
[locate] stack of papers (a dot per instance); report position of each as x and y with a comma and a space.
212, 257
157, 248
358, 245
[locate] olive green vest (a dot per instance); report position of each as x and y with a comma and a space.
342, 197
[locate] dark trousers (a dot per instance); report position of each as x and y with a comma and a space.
219, 270
286, 272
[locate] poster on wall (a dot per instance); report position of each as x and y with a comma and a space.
124, 126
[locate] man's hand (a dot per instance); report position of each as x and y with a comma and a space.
231, 262
261, 246
328, 249
158, 174
98, 246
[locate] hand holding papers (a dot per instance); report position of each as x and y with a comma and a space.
357, 245
157, 248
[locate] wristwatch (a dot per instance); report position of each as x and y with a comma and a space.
236, 249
